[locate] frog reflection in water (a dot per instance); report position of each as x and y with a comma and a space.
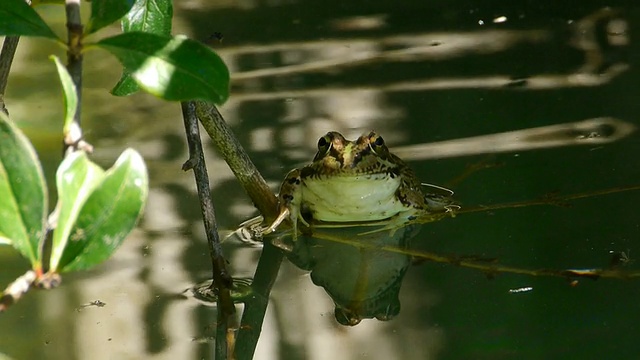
355, 181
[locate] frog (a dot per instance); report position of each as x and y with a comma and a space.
357, 181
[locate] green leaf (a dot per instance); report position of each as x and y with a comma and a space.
173, 68
150, 16
19, 19
69, 92
126, 85
76, 178
109, 214
23, 192
106, 12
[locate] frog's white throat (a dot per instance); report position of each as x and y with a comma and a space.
366, 197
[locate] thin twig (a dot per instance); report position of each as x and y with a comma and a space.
6, 59
72, 140
73, 137
551, 199
16, 289
490, 267
266, 202
221, 279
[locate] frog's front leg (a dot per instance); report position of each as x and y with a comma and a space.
289, 202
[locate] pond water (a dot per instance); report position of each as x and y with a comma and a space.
417, 74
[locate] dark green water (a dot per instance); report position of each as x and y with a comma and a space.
432, 73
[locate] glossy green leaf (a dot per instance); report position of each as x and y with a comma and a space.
68, 92
76, 178
109, 214
126, 85
23, 192
150, 16
19, 19
106, 12
173, 68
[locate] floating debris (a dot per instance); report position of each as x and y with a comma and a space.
520, 290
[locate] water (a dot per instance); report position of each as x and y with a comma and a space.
458, 79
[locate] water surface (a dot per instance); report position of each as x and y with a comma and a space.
416, 74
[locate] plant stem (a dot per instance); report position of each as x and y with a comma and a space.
550, 199
221, 279
256, 306
6, 59
266, 202
490, 267
16, 289
73, 137
237, 159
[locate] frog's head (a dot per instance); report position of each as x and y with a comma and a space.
368, 154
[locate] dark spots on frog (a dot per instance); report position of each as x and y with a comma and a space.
337, 154
393, 172
307, 172
294, 181
412, 217
357, 158
402, 197
408, 199
287, 197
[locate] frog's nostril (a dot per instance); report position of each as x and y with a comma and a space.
356, 160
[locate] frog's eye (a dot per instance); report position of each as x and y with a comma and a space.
376, 143
324, 143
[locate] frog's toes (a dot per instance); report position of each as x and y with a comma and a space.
302, 220
284, 214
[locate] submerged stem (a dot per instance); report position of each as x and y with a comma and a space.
490, 267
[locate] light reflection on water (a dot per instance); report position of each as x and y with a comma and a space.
395, 72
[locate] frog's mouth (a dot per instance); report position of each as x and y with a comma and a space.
339, 168
348, 175
363, 162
